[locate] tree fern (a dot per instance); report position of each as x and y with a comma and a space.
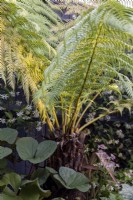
22, 50
91, 58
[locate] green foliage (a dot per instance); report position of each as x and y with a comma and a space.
67, 177
112, 197
8, 135
4, 151
79, 69
32, 190
24, 50
29, 149
28, 191
91, 59
71, 179
115, 131
12, 179
21, 50
41, 15
16, 113
43, 174
14, 186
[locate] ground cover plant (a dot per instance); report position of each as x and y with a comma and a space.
71, 160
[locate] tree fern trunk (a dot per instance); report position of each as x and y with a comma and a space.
70, 152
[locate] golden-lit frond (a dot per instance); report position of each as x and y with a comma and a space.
22, 50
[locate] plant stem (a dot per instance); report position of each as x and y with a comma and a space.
87, 72
84, 111
55, 117
97, 118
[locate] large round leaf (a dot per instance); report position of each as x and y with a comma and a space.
26, 147
8, 135
4, 151
44, 150
29, 149
72, 179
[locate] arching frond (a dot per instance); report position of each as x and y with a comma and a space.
42, 17
92, 56
21, 50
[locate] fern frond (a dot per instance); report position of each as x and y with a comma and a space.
91, 51
22, 50
9, 66
91, 57
2, 64
41, 16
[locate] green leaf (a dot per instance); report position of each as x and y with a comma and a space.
26, 147
115, 88
12, 179
68, 175
8, 135
4, 151
2, 183
32, 191
9, 194
60, 180
29, 149
51, 170
43, 174
5, 196
9, 115
72, 179
45, 150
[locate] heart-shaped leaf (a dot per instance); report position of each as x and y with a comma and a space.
29, 149
72, 179
8, 135
4, 151
26, 147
